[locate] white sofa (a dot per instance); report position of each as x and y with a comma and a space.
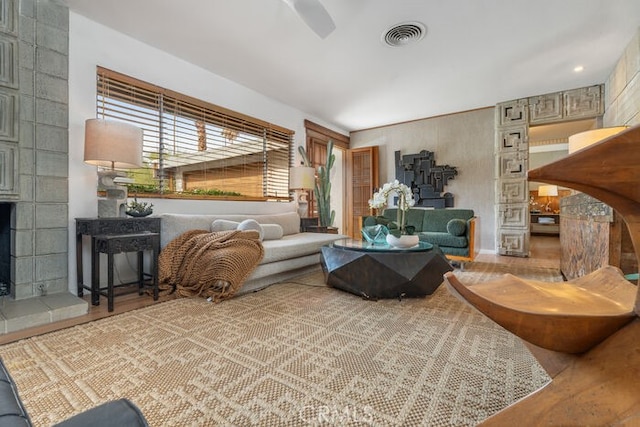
291, 255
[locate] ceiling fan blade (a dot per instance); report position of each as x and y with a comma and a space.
315, 15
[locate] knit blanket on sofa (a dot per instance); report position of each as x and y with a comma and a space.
209, 265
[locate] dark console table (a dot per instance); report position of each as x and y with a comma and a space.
117, 235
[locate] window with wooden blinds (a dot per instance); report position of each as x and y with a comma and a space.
192, 147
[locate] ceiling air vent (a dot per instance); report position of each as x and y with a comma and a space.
404, 34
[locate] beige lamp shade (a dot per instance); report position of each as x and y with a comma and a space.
302, 178
112, 144
584, 139
548, 190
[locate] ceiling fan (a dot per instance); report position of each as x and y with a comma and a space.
315, 15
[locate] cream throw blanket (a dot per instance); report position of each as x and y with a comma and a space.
209, 265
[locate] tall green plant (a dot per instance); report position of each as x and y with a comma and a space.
322, 190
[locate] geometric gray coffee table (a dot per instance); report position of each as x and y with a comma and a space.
381, 271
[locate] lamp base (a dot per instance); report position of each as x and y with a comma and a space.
115, 202
301, 202
303, 208
111, 208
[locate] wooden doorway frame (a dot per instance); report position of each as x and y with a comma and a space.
317, 137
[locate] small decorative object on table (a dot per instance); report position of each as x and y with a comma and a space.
400, 235
375, 234
404, 241
139, 209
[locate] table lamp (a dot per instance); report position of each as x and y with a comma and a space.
112, 145
301, 179
549, 191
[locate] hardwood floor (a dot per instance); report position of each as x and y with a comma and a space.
545, 252
122, 304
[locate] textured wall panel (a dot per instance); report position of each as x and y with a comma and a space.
8, 116
513, 216
513, 139
8, 16
514, 242
545, 108
8, 62
513, 191
583, 102
8, 169
513, 113
513, 165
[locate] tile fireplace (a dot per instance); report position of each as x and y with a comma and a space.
34, 151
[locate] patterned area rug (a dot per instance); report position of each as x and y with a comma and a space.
296, 353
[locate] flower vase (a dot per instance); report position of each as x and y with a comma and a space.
403, 242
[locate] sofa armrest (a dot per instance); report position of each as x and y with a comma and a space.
473, 236
12, 411
117, 413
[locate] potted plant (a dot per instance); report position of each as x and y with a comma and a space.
400, 235
322, 189
139, 209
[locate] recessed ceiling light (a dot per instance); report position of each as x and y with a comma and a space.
578, 69
404, 34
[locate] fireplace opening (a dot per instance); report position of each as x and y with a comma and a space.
5, 248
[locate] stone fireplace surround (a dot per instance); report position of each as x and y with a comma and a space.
34, 165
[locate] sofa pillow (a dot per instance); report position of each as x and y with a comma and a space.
272, 231
456, 226
251, 224
224, 225
289, 221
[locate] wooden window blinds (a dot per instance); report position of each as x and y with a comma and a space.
192, 147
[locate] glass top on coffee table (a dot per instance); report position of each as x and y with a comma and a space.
364, 246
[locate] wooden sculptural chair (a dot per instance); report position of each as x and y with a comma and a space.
585, 332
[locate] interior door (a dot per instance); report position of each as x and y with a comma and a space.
362, 178
317, 138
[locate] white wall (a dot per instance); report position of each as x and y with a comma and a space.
464, 140
92, 44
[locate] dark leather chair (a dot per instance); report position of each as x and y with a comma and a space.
117, 413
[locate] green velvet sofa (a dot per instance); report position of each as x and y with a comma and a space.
453, 230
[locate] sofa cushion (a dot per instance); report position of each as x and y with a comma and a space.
272, 231
295, 245
413, 217
251, 224
289, 221
223, 225
437, 219
174, 224
443, 239
456, 226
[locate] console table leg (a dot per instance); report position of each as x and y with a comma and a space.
79, 272
110, 282
95, 273
140, 272
154, 271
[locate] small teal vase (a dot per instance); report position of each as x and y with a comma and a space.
375, 234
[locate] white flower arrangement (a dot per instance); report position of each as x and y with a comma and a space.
405, 200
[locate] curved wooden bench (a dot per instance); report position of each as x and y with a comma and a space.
599, 387
569, 317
